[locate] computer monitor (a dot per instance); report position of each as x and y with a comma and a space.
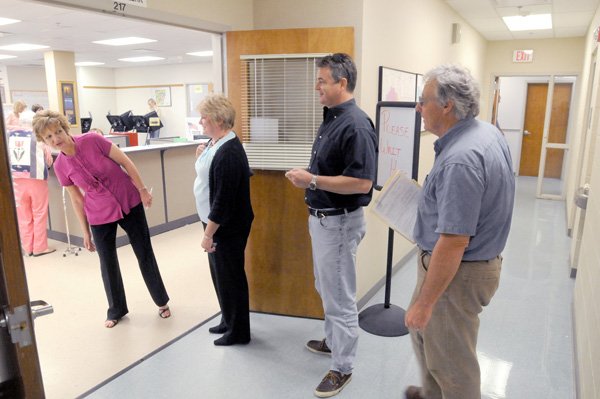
86, 124
126, 118
116, 123
139, 123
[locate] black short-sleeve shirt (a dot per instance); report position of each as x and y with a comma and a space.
345, 145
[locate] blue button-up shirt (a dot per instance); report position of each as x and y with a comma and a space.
469, 191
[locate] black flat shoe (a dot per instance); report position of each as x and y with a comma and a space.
228, 341
220, 329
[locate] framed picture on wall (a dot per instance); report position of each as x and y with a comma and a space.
67, 102
162, 96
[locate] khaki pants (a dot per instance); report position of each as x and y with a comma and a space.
446, 349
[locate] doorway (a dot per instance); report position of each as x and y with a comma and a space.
535, 115
74, 334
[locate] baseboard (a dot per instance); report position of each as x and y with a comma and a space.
575, 362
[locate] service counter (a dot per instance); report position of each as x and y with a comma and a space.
166, 168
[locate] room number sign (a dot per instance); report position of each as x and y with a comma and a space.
120, 5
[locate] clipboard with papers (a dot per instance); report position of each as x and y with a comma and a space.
397, 204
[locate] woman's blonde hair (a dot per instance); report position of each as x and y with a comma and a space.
19, 106
219, 109
46, 118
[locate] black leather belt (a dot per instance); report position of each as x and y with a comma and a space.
330, 211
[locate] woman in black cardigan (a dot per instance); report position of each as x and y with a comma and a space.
222, 191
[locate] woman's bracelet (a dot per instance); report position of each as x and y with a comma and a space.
207, 237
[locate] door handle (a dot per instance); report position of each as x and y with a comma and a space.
526, 133
42, 308
17, 321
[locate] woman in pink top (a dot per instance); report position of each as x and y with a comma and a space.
29, 162
91, 164
12, 119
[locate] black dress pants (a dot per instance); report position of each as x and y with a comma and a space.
136, 227
229, 278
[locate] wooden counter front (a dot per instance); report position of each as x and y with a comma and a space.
279, 255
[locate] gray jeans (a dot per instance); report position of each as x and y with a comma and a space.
446, 349
335, 240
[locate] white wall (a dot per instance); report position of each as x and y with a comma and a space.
27, 78
118, 90
587, 296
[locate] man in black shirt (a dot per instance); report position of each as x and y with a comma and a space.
338, 183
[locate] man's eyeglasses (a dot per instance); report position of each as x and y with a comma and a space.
422, 100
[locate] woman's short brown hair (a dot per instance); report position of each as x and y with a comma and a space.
46, 118
219, 109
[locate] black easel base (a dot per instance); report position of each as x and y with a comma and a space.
382, 321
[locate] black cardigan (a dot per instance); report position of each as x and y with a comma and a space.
229, 185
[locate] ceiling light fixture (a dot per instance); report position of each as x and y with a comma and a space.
8, 21
88, 63
22, 47
124, 41
207, 53
5, 56
528, 22
141, 59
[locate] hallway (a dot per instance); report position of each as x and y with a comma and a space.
525, 342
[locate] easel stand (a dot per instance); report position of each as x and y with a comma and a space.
385, 319
71, 250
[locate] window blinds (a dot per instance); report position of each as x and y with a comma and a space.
280, 112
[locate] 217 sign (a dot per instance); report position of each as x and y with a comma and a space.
118, 6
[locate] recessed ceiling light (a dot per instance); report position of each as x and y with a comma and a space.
88, 63
141, 59
5, 57
124, 41
22, 47
528, 22
207, 53
8, 21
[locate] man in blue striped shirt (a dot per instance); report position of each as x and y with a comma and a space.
462, 225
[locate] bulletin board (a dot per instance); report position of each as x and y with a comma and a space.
398, 129
397, 85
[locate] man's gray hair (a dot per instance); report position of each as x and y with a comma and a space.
456, 84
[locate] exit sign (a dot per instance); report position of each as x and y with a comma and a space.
523, 56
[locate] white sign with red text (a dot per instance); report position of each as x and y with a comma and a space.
523, 56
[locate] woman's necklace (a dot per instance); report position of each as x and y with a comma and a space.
215, 141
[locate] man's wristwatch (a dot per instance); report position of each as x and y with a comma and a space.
313, 183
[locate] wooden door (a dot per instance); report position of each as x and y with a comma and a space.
535, 111
24, 378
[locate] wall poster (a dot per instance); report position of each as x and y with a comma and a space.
67, 102
162, 96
